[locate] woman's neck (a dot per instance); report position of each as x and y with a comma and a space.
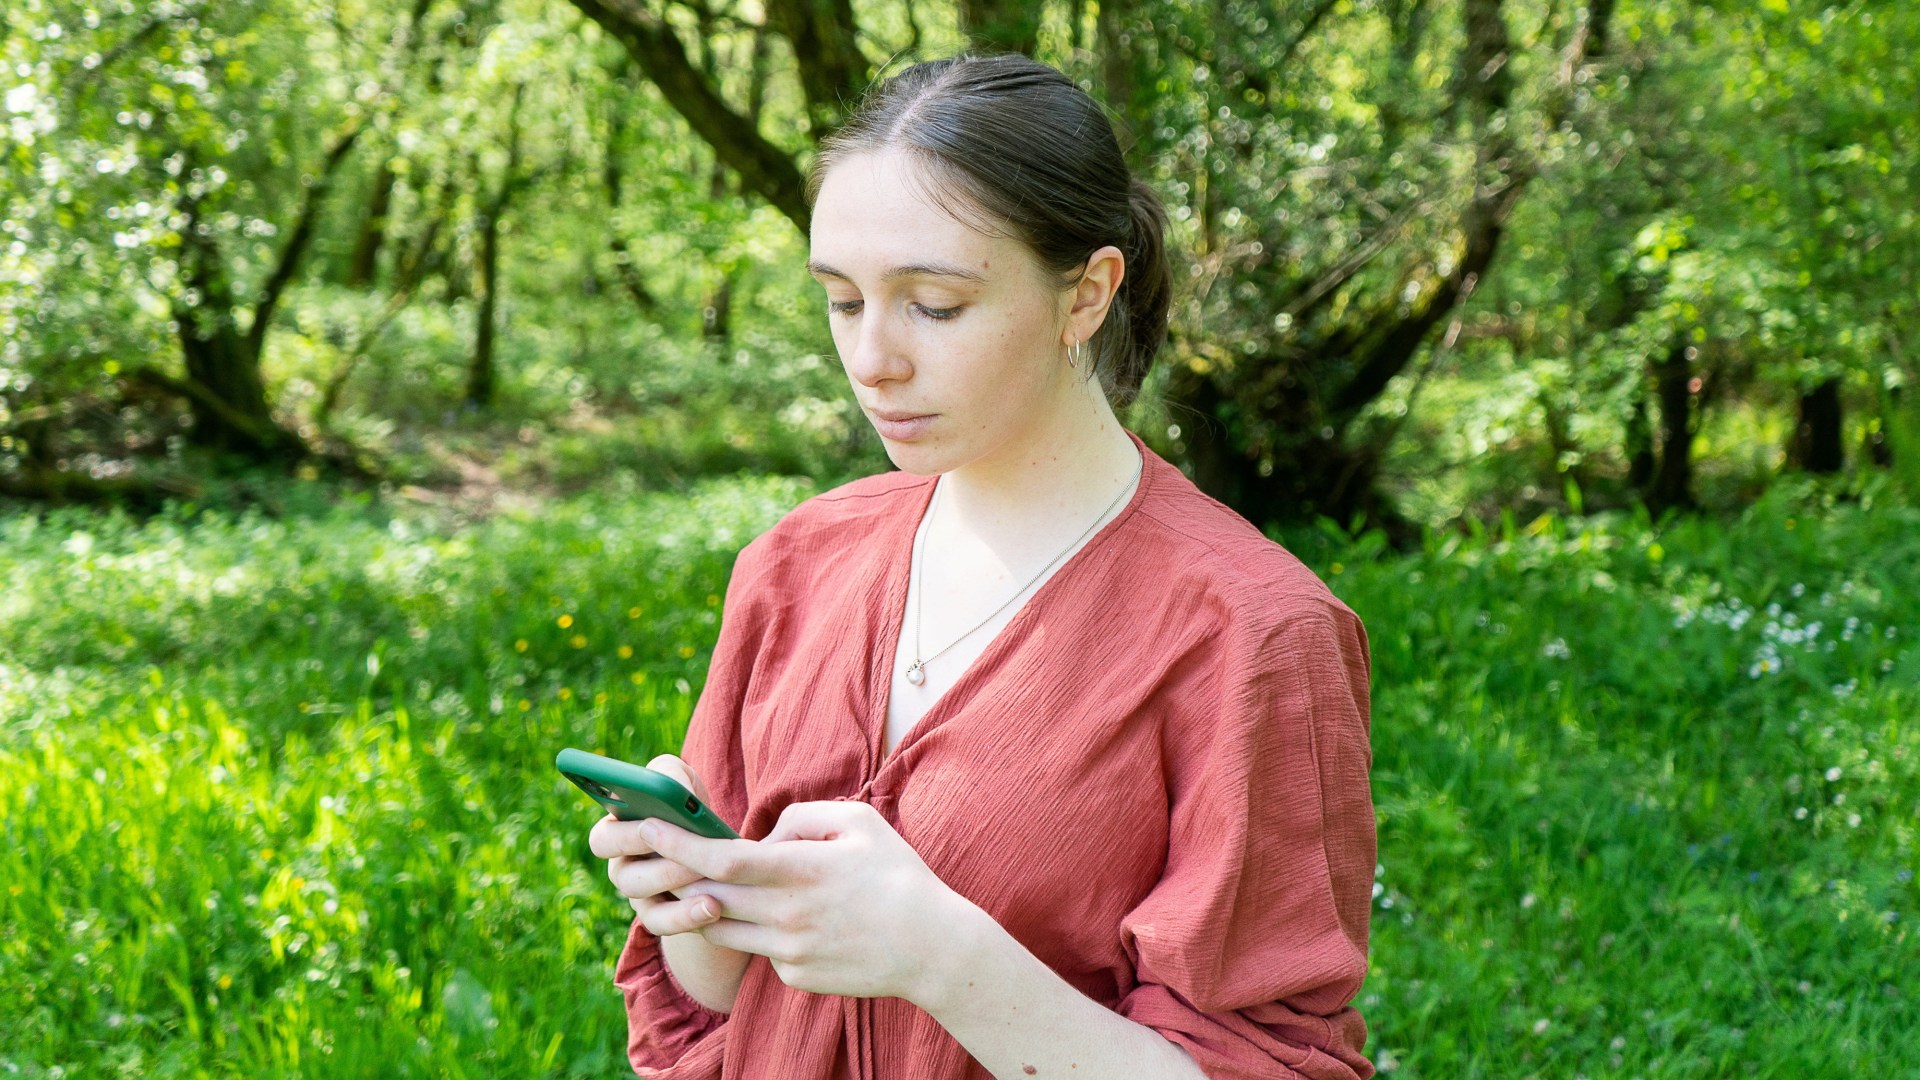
1043, 490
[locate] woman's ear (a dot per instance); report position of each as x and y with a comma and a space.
1094, 293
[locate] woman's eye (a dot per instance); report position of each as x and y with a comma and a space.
852, 307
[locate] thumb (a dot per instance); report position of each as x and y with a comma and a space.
681, 772
817, 820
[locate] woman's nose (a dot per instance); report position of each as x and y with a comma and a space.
876, 356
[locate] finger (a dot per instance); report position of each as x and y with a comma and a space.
760, 904
827, 820
682, 773
665, 917
671, 766
741, 935
612, 837
642, 878
738, 861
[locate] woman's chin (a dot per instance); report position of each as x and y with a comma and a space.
917, 459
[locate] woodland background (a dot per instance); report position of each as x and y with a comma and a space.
385, 389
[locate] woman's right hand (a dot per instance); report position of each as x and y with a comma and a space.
645, 878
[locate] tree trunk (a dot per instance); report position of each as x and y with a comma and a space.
362, 267
1877, 443
217, 361
1640, 458
457, 272
1307, 473
480, 380
365, 262
716, 317
1227, 476
1672, 487
613, 178
826, 47
410, 268
1113, 37
223, 387
1815, 446
1560, 441
1289, 418
764, 168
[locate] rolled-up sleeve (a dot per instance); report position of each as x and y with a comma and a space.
671, 1036
1249, 949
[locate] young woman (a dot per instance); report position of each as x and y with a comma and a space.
1046, 763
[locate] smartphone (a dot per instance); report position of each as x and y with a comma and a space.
634, 791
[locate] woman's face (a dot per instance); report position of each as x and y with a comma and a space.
954, 343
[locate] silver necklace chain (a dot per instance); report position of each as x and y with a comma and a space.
916, 671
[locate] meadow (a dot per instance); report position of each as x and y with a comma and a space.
278, 799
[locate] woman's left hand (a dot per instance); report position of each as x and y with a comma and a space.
833, 897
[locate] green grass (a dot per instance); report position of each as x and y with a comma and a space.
1647, 798
278, 795
278, 799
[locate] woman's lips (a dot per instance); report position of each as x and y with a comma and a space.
906, 429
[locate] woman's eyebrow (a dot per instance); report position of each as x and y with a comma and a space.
820, 269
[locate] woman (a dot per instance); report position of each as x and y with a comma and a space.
1046, 763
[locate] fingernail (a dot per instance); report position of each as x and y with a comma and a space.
648, 831
703, 910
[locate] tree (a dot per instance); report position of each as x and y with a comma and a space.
1336, 222
149, 175
827, 58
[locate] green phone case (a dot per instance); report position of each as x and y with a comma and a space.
632, 792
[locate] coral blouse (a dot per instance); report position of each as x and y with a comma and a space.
1155, 778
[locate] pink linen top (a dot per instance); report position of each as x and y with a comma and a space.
1155, 778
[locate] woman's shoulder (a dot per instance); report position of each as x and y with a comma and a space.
857, 505
1215, 559
837, 525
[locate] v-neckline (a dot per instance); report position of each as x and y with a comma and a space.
899, 579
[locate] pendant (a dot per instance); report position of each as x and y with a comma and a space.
915, 675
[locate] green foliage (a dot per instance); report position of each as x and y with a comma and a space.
1646, 796
1900, 415
281, 801
1750, 199
278, 788
596, 393
1735, 177
282, 792
130, 123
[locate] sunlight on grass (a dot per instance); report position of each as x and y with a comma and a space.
279, 798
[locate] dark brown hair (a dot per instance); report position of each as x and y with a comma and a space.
1016, 149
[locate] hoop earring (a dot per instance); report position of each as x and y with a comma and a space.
1073, 355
